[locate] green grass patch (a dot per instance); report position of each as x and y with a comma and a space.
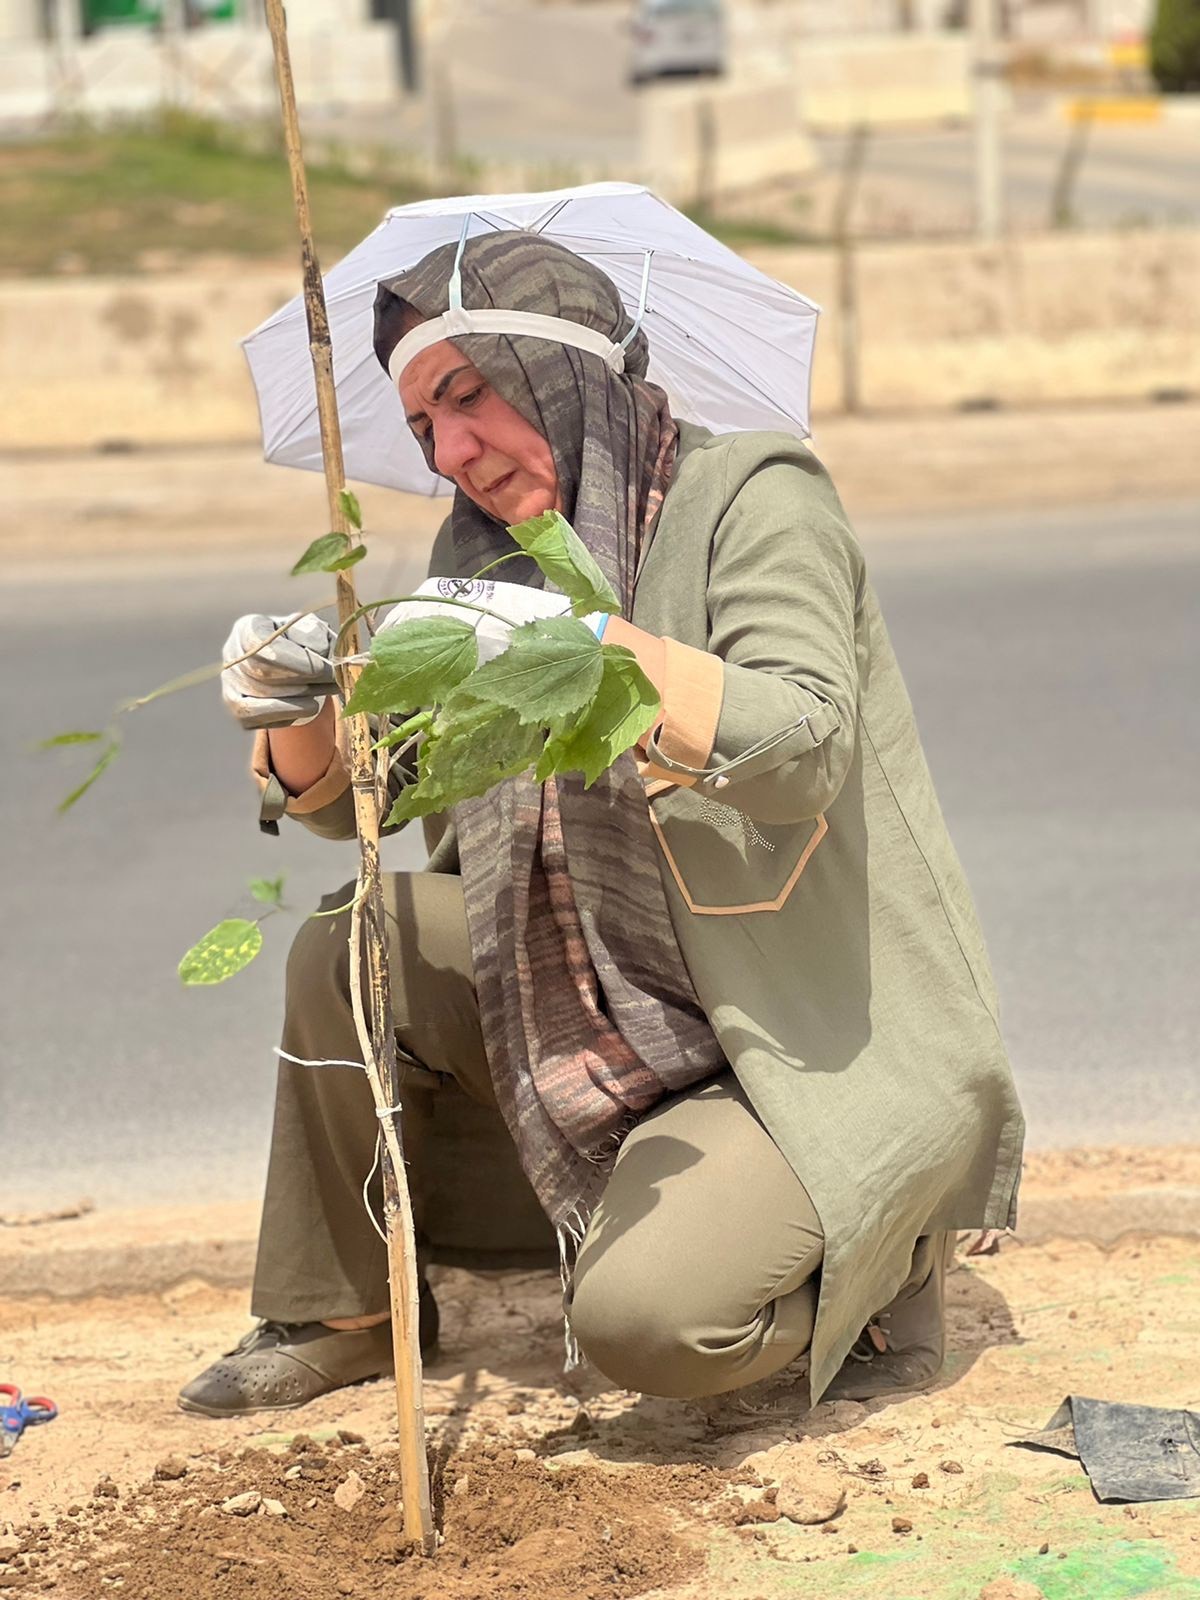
167, 191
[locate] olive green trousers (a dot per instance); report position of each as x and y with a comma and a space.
697, 1273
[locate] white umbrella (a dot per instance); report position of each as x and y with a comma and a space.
732, 348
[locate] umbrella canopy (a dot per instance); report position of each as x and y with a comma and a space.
731, 347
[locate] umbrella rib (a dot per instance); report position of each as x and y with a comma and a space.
746, 377
544, 222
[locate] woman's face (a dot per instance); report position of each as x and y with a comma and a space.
494, 456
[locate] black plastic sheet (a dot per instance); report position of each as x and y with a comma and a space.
1131, 1453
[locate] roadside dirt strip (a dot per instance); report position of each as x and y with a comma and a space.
569, 1488
64, 511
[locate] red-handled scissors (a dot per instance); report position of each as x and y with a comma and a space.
17, 1414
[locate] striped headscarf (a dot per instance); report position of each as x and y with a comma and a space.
589, 1016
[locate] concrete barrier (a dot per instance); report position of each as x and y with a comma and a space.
700, 140
154, 360
887, 80
219, 71
1055, 318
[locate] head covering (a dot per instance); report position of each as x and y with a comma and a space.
587, 1010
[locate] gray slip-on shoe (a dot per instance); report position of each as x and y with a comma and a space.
280, 1365
903, 1348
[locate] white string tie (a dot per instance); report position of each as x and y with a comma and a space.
299, 1061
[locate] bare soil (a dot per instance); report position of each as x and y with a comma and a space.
570, 1489
76, 514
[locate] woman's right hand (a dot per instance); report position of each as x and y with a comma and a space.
282, 684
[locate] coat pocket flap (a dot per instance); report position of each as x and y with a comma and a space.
723, 863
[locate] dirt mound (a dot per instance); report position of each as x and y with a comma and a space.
315, 1522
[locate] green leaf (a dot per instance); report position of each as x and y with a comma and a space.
68, 738
478, 747
421, 723
350, 559
323, 554
105, 760
351, 509
267, 891
626, 704
414, 664
550, 671
566, 561
230, 946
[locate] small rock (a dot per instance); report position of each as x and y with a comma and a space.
74, 1511
951, 1466
1010, 1589
242, 1505
1043, 1549
462, 1486
348, 1436
345, 1586
515, 1407
810, 1495
170, 1468
851, 1549
10, 1545
302, 1442
294, 1472
921, 1481
901, 1525
581, 1423
311, 1503
79, 1566
106, 1489
761, 1509
274, 1508
525, 1455
349, 1492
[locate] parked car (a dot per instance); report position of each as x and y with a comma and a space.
677, 38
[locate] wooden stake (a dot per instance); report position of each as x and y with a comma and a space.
376, 1034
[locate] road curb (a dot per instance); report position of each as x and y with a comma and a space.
149, 1253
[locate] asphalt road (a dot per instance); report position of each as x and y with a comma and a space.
1053, 661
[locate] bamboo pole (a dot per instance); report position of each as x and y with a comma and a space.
374, 1020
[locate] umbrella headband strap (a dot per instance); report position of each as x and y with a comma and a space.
530, 323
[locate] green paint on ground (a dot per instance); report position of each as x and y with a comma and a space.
1121, 1569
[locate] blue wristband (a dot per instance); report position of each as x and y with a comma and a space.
597, 621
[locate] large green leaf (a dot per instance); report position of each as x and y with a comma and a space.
566, 561
414, 664
550, 671
626, 704
478, 747
230, 946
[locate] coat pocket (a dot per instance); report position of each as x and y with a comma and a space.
723, 863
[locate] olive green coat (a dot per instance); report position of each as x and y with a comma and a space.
818, 900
